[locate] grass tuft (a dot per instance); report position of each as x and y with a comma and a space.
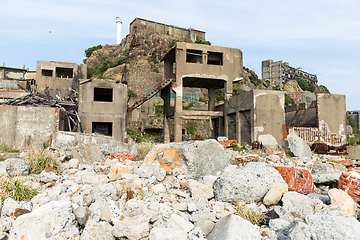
40, 159
16, 189
249, 214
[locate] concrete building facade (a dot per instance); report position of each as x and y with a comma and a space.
190, 33
13, 83
58, 77
278, 73
198, 66
102, 108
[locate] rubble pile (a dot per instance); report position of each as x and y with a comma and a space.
192, 190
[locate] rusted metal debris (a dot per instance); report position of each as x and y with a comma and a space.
69, 107
257, 145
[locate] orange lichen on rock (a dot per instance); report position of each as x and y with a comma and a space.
122, 156
166, 152
227, 143
281, 154
298, 180
349, 181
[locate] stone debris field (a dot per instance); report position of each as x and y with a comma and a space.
192, 190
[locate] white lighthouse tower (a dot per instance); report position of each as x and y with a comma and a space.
118, 34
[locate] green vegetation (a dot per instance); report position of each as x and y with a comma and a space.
16, 190
288, 100
6, 149
146, 137
145, 148
90, 50
356, 133
305, 85
253, 77
40, 159
249, 214
131, 93
220, 93
276, 88
190, 129
267, 82
172, 44
191, 104
325, 89
236, 147
147, 43
155, 69
199, 41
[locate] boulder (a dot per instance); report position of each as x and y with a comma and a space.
132, 228
299, 205
16, 167
247, 184
296, 147
341, 198
10, 205
349, 181
233, 227
200, 190
82, 214
97, 230
54, 218
322, 226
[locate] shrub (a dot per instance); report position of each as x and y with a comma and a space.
305, 85
131, 93
156, 70
6, 149
190, 129
40, 159
288, 100
90, 50
199, 41
191, 104
276, 88
172, 44
16, 190
249, 214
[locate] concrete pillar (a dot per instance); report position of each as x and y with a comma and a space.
228, 95
165, 94
238, 127
211, 103
178, 110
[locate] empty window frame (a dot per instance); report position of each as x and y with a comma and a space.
64, 72
215, 58
104, 128
46, 73
193, 56
103, 94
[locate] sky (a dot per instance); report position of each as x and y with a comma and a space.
320, 36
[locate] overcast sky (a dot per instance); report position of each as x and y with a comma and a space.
321, 36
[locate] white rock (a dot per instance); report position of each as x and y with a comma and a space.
160, 174
89, 178
157, 233
301, 205
10, 205
196, 234
52, 219
205, 225
17, 167
74, 163
200, 190
180, 206
6, 224
82, 215
46, 177
133, 228
97, 230
230, 227
275, 193
341, 198
158, 188
278, 223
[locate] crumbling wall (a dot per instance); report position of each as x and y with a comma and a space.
22, 125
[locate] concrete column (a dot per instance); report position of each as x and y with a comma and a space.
211, 103
211, 128
178, 110
165, 94
228, 95
238, 127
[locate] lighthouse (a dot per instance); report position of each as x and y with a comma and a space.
118, 33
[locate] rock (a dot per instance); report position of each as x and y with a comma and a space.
158, 233
89, 178
247, 158
10, 205
229, 227
204, 158
74, 163
341, 198
3, 169
122, 156
47, 177
148, 169
180, 206
158, 188
278, 223
200, 190
196, 234
322, 226
296, 147
349, 182
160, 174
227, 143
97, 230
117, 170
16, 167
39, 145
82, 215
275, 193
298, 180
205, 225
111, 212
281, 154
326, 177
6, 224
299, 205
133, 228
246, 184
324, 198
52, 219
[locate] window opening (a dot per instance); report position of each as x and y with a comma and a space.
193, 56
104, 128
103, 94
64, 72
46, 73
215, 58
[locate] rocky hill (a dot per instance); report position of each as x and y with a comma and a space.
196, 190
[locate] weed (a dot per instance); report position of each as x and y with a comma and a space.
40, 159
147, 43
173, 43
6, 149
144, 150
131, 93
155, 69
191, 104
16, 190
190, 129
249, 214
236, 147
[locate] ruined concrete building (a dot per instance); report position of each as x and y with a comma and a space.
191, 34
356, 116
278, 73
13, 83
